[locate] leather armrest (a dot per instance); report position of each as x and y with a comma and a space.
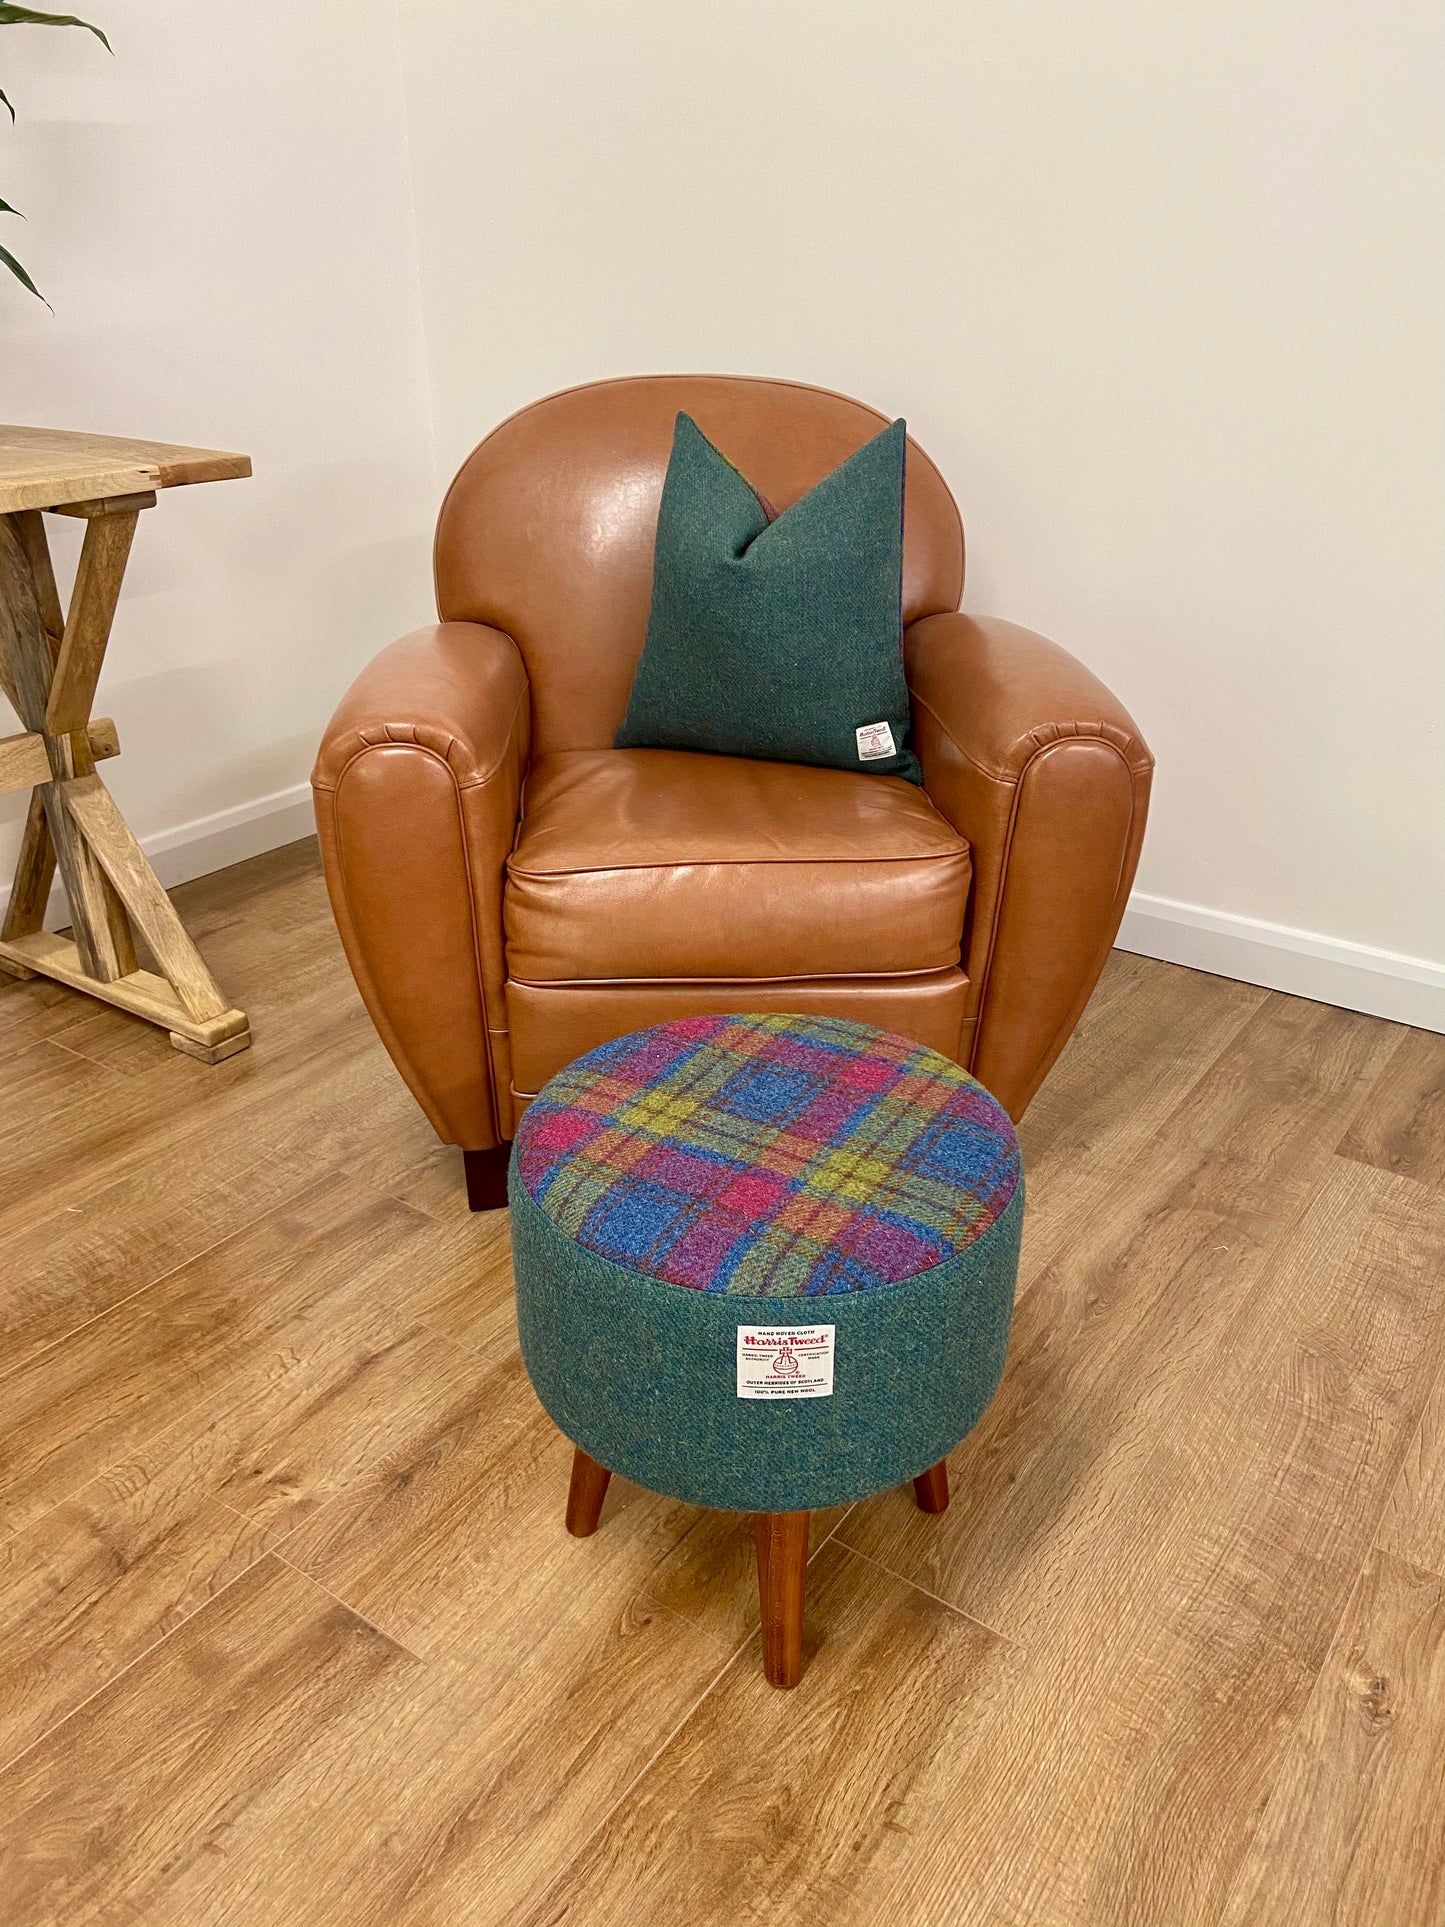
417, 786
1031, 759
455, 689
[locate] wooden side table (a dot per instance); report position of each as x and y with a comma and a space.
49, 664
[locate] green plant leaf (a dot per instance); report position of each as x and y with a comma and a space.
11, 16
28, 17
7, 259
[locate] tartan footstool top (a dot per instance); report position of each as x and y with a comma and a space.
768, 1156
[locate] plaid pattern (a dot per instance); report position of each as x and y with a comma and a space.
768, 1157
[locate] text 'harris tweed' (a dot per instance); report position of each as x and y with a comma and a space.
770, 1157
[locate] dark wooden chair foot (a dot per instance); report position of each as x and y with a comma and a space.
487, 1177
930, 1488
585, 1495
782, 1580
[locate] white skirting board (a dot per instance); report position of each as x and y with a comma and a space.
1328, 970
211, 842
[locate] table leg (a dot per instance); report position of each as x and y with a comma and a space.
103, 939
30, 527
73, 822
34, 874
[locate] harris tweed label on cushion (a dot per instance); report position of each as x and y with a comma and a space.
769, 1156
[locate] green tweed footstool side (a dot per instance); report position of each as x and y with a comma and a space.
765, 1264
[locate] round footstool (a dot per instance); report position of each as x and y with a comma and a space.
764, 1264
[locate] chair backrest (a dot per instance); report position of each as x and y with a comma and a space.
547, 531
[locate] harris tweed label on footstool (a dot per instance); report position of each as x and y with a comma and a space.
769, 1156
785, 1361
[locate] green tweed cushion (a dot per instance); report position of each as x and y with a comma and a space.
778, 638
724, 1181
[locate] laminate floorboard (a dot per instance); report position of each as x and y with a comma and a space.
44, 1077
1414, 1523
291, 1634
1355, 1830
1400, 1126
803, 1808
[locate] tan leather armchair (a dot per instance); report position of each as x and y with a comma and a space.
511, 890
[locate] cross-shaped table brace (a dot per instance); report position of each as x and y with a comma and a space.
49, 665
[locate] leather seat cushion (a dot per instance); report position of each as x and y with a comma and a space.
551, 1024
640, 864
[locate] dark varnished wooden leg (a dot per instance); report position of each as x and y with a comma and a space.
487, 1177
585, 1495
782, 1577
930, 1488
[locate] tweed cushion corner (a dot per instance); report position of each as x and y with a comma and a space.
771, 1157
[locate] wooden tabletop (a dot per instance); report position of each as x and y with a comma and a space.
45, 467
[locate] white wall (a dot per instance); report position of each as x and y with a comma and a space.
221, 217
1160, 287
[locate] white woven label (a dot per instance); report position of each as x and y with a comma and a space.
874, 740
785, 1361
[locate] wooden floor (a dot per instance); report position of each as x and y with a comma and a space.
290, 1632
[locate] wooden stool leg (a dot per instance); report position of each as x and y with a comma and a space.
782, 1577
930, 1488
585, 1495
487, 1177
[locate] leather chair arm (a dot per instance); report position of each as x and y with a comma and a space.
1031, 759
417, 787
